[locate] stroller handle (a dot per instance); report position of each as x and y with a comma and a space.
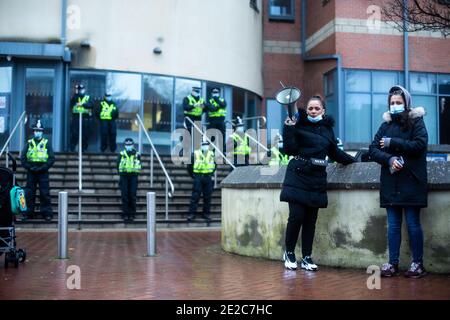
14, 161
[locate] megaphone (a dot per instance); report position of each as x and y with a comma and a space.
287, 97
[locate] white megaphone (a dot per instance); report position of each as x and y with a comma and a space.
287, 97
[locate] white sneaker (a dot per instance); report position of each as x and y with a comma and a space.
289, 260
308, 264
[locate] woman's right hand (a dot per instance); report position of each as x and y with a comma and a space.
290, 122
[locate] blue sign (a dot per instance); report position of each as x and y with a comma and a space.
437, 157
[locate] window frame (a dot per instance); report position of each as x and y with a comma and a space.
285, 18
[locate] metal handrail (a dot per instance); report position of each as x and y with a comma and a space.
6, 145
210, 142
154, 152
253, 118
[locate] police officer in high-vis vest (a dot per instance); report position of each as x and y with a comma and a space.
80, 104
278, 158
193, 106
129, 166
37, 157
216, 108
201, 170
238, 144
108, 113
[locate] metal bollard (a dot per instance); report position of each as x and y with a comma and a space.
62, 225
151, 224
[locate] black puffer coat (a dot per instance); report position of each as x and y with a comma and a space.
305, 183
407, 187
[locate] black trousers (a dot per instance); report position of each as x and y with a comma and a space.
41, 179
304, 218
202, 184
108, 133
219, 124
128, 189
240, 160
74, 132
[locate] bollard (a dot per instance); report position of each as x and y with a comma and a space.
62, 225
151, 224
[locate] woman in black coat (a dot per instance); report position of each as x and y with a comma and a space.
400, 146
310, 138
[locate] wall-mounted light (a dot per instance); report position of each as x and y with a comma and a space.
85, 44
157, 50
8, 57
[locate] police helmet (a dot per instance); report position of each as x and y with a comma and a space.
38, 126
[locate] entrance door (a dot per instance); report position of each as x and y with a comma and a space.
39, 99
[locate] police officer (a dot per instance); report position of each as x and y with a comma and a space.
239, 144
37, 157
278, 158
80, 104
108, 113
193, 106
202, 169
216, 109
129, 165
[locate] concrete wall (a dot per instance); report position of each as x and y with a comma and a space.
205, 39
351, 232
30, 20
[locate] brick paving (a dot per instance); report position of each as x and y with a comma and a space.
189, 265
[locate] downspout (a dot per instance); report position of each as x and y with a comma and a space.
405, 44
340, 77
63, 23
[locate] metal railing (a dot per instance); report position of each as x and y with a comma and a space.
80, 166
23, 118
153, 153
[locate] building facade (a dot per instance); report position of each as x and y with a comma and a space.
148, 55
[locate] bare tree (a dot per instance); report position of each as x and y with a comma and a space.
419, 15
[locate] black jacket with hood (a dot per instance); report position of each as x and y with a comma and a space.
305, 183
407, 187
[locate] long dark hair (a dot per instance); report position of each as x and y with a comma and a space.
402, 118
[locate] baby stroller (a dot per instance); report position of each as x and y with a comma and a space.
8, 192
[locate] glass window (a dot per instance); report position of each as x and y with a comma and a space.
238, 103
329, 83
444, 120
357, 117
422, 82
39, 99
281, 9
183, 87
379, 106
444, 84
431, 121
158, 101
383, 81
357, 81
276, 114
125, 89
5, 94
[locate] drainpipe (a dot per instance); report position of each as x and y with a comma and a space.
405, 44
338, 59
63, 22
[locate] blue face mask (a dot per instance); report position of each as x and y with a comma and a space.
128, 148
38, 134
280, 146
315, 119
397, 108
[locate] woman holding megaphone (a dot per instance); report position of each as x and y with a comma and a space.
309, 137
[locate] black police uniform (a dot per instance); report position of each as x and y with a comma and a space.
128, 188
212, 107
203, 184
74, 125
108, 128
37, 173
